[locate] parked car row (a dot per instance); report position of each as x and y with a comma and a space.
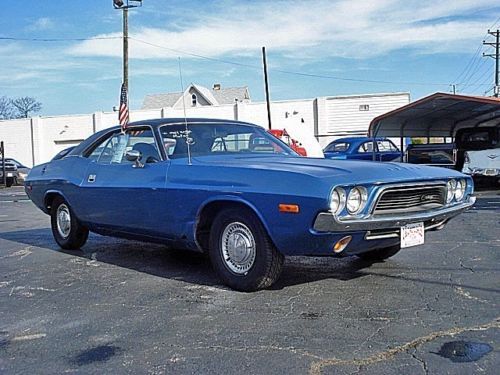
476, 151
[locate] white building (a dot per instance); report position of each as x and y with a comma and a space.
36, 140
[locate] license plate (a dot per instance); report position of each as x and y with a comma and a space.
9, 174
412, 235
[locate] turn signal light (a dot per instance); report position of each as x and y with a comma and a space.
342, 244
289, 208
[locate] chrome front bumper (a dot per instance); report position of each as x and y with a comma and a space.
326, 222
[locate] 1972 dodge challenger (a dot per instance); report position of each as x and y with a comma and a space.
234, 191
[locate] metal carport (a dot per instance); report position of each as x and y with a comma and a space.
437, 115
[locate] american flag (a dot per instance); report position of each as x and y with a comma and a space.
123, 116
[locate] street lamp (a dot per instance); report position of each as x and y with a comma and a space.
120, 4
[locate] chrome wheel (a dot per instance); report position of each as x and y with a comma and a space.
63, 220
238, 248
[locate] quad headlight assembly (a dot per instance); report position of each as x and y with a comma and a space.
353, 201
455, 190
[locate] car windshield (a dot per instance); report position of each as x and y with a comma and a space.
337, 147
220, 138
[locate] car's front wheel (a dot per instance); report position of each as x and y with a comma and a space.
241, 251
380, 254
66, 229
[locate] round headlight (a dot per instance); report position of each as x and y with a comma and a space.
356, 200
460, 189
450, 190
337, 200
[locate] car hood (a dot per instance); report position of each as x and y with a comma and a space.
350, 170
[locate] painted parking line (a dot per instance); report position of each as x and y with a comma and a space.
15, 201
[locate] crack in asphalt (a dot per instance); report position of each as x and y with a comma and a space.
421, 361
317, 367
292, 350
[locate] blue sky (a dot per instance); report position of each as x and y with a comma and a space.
417, 46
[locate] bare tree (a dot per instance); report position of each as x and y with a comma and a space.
26, 105
7, 110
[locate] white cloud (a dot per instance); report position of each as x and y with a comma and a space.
41, 24
313, 29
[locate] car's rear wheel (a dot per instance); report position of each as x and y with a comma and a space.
241, 251
380, 254
66, 229
9, 182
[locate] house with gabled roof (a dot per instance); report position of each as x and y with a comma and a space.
197, 96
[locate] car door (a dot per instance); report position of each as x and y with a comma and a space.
387, 151
364, 151
124, 196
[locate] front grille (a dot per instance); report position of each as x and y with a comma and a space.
8, 167
410, 199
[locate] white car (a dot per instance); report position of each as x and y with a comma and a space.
482, 163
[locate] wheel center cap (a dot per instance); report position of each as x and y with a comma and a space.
239, 248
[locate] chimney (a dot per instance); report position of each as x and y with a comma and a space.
216, 87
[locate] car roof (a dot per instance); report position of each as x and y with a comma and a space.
155, 123
182, 120
356, 139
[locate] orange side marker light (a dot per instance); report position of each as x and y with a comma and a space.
289, 208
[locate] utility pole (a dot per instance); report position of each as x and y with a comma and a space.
266, 82
125, 47
453, 88
2, 155
125, 5
495, 44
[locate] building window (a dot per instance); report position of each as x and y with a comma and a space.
194, 100
364, 107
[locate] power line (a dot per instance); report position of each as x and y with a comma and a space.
475, 56
59, 39
469, 64
286, 71
468, 78
256, 67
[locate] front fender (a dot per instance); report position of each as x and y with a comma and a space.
235, 199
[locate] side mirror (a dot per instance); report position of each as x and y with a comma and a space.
135, 157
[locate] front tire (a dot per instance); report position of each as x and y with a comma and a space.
66, 229
242, 253
380, 255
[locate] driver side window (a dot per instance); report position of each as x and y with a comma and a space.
366, 147
113, 150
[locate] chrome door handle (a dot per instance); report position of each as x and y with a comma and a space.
91, 178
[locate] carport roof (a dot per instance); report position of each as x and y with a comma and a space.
437, 115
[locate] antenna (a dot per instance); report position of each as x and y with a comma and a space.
188, 139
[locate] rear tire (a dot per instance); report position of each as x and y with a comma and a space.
380, 255
9, 182
242, 253
66, 229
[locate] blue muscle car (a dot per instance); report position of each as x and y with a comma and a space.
234, 191
361, 148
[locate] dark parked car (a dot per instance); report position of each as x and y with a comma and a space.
22, 170
11, 174
236, 192
434, 154
361, 148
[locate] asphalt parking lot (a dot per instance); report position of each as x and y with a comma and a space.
129, 307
